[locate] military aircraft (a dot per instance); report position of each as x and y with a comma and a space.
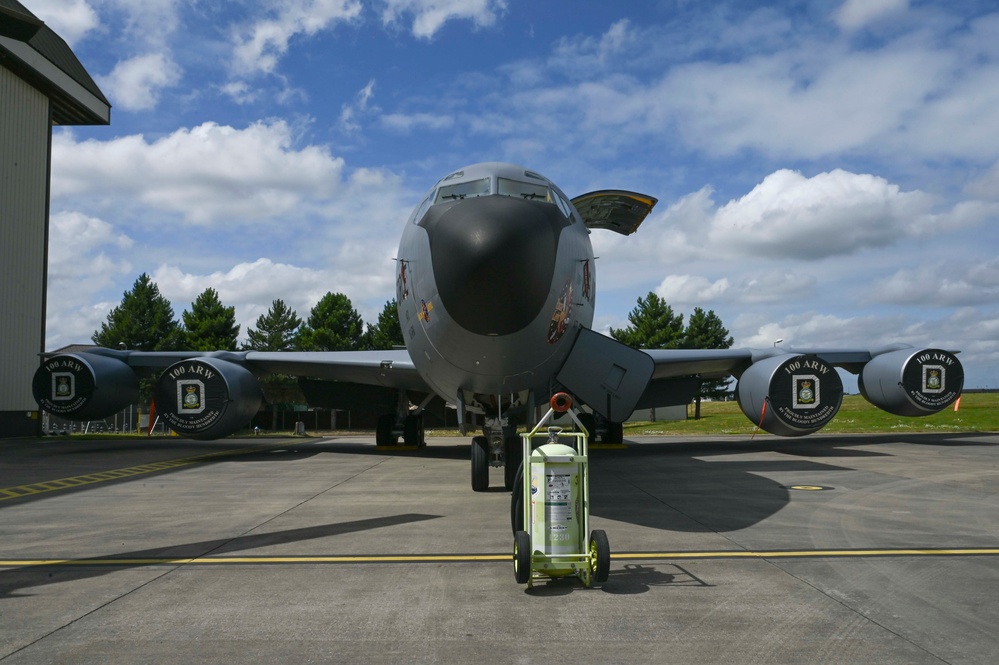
495, 285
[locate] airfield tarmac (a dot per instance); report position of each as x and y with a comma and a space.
330, 551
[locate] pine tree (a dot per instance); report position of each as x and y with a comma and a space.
210, 325
653, 325
705, 331
333, 325
277, 330
387, 332
142, 322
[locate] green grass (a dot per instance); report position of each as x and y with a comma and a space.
979, 412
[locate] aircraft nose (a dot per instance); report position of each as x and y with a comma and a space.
493, 260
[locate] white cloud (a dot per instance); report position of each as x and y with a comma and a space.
958, 119
688, 291
790, 95
259, 46
830, 214
251, 287
241, 92
814, 330
70, 19
406, 123
135, 84
791, 217
854, 14
151, 23
429, 16
685, 289
799, 103
74, 234
946, 284
349, 113
86, 255
208, 174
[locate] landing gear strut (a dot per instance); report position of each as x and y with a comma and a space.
390, 429
403, 423
498, 446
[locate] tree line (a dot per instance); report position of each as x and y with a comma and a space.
144, 321
654, 325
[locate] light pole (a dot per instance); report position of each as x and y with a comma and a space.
778, 341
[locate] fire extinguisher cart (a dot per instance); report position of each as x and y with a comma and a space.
556, 506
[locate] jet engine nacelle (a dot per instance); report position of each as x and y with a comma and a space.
912, 382
790, 395
84, 386
207, 398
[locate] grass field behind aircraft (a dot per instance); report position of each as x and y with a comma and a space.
978, 412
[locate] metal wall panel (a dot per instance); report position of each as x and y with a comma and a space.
24, 157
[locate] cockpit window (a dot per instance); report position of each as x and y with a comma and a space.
463, 190
563, 205
524, 190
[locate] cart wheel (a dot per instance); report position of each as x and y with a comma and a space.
480, 464
522, 557
517, 500
599, 555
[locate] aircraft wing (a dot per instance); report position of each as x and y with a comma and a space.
671, 363
714, 363
208, 394
797, 391
391, 369
614, 209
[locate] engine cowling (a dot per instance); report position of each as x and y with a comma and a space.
84, 386
207, 398
790, 395
912, 382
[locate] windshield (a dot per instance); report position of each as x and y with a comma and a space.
463, 190
524, 190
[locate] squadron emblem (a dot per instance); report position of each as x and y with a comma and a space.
933, 378
806, 391
190, 396
62, 386
192, 400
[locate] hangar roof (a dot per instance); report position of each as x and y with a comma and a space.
34, 52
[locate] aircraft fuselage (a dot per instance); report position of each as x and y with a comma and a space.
495, 275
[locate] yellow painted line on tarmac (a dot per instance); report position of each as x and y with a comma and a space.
813, 554
116, 474
492, 558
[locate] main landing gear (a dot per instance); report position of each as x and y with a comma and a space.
390, 429
403, 423
498, 446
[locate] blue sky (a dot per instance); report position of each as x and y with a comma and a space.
828, 171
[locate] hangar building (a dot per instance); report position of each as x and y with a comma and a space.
42, 84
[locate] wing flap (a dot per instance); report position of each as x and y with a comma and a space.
606, 374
